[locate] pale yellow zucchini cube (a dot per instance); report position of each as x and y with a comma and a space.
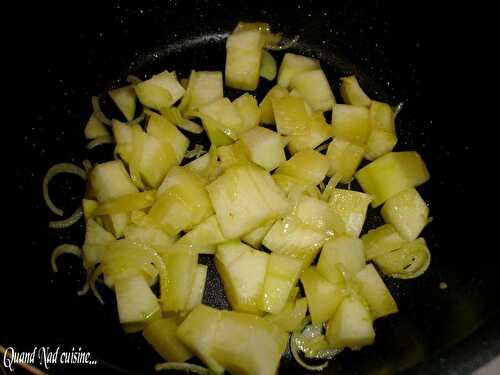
352, 93
292, 317
352, 325
291, 115
292, 65
224, 116
382, 137
181, 264
309, 166
197, 332
344, 158
264, 147
351, 123
160, 91
249, 111
124, 98
313, 86
168, 134
245, 197
161, 335
346, 251
243, 57
232, 154
198, 288
381, 240
243, 271
148, 235
376, 294
204, 237
136, 302
391, 174
281, 277
95, 128
96, 239
266, 107
351, 206
203, 88
256, 236
323, 297
408, 212
318, 132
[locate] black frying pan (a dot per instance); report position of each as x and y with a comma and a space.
81, 50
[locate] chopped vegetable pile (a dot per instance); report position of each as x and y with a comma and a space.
264, 200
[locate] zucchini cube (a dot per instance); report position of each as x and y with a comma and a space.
382, 137
351, 123
291, 115
313, 86
346, 251
264, 147
381, 240
292, 65
344, 158
204, 237
168, 135
161, 335
351, 206
352, 93
124, 98
266, 107
318, 132
308, 166
135, 300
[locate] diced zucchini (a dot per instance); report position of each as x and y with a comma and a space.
124, 139
381, 240
391, 174
375, 292
95, 128
199, 281
318, 215
110, 180
135, 300
255, 237
168, 134
181, 264
248, 344
351, 123
242, 270
249, 111
268, 66
281, 277
161, 335
243, 57
207, 166
96, 239
313, 86
127, 203
290, 237
266, 107
197, 332
383, 131
89, 206
123, 259
203, 88
292, 65
204, 237
323, 297
292, 316
408, 262
151, 236
352, 325
182, 201
232, 154
264, 147
346, 251
160, 91
352, 93
291, 115
344, 158
318, 132
124, 98
223, 116
294, 187
408, 212
245, 197
309, 166
351, 206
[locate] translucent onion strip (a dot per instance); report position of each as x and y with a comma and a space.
179, 366
86, 287
93, 278
96, 106
134, 80
87, 164
296, 356
137, 120
61, 224
52, 172
174, 115
330, 186
106, 139
280, 47
197, 151
64, 249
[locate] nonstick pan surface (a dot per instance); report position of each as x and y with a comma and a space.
82, 50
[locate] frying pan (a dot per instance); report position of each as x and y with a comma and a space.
74, 50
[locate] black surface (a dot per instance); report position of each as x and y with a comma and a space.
66, 53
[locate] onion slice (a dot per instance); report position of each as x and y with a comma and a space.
53, 171
197, 151
180, 366
280, 47
134, 80
137, 120
87, 164
296, 356
174, 115
106, 139
61, 224
93, 278
96, 106
64, 249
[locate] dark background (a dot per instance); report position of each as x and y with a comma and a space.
59, 55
